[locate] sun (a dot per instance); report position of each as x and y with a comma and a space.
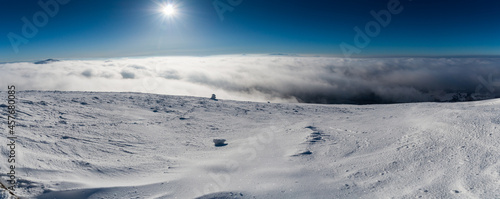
168, 10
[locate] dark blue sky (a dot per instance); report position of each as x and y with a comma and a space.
116, 28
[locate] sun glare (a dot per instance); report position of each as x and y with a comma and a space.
169, 10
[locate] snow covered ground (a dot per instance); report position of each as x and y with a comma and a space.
132, 145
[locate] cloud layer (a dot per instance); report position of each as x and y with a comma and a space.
268, 78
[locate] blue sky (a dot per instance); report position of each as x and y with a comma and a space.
117, 28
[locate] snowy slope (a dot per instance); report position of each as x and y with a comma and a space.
131, 145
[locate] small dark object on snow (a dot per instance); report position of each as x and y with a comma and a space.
213, 97
219, 142
307, 152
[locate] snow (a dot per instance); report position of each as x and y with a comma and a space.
135, 145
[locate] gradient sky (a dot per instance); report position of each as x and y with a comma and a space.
116, 28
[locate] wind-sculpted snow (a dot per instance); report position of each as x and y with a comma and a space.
271, 78
131, 145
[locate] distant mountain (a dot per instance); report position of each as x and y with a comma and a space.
46, 61
462, 97
283, 54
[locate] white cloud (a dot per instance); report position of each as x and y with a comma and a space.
262, 78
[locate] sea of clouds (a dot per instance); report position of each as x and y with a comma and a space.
267, 77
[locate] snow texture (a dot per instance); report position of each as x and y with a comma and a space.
131, 145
